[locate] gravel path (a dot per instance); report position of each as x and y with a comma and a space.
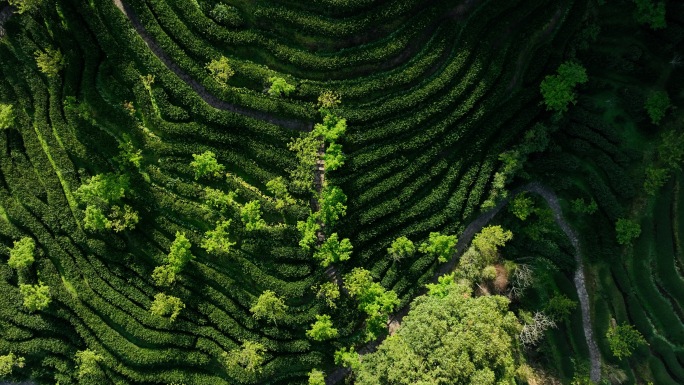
464, 241
197, 87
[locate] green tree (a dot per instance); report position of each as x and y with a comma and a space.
657, 104
333, 205
250, 357
220, 70
121, 219
348, 358
374, 300
166, 306
217, 199
306, 151
6, 116
269, 306
522, 206
279, 87
21, 255
559, 90
50, 61
656, 177
164, 275
626, 230
329, 292
322, 329
580, 206
36, 297
8, 362
26, 5
128, 154
333, 250
206, 164
308, 231
278, 188
441, 247
401, 248
179, 252
251, 216
623, 339
333, 158
329, 99
488, 241
218, 239
332, 128
442, 287
560, 307
316, 377
456, 339
103, 189
650, 12
95, 219
87, 363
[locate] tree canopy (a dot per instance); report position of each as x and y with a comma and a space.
87, 363
220, 70
657, 103
322, 329
441, 247
450, 339
280, 87
623, 339
218, 240
333, 250
251, 216
36, 297
6, 116
401, 248
205, 164
626, 230
559, 90
21, 255
166, 306
269, 306
250, 357
8, 362
50, 61
333, 205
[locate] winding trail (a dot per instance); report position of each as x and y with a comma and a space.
200, 89
464, 240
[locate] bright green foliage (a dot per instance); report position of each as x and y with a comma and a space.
226, 15
465, 340
128, 154
626, 230
206, 164
522, 206
333, 158
36, 297
103, 189
179, 253
333, 205
308, 231
316, 377
220, 70
278, 188
651, 12
50, 61
560, 307
332, 128
218, 239
333, 250
217, 199
330, 292
322, 329
488, 241
656, 177
623, 339
268, 306
306, 150
441, 288
348, 358
559, 90
657, 104
249, 358
120, 219
166, 306
26, 5
580, 206
439, 246
374, 300
95, 219
21, 255
164, 275
251, 216
6, 116
488, 273
86, 363
401, 248
8, 362
279, 87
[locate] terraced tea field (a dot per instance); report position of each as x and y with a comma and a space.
432, 92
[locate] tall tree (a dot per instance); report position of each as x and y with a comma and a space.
623, 339
454, 339
218, 239
205, 164
401, 248
333, 250
441, 247
249, 358
220, 70
269, 306
50, 61
333, 205
36, 297
251, 216
559, 90
279, 87
626, 230
21, 255
322, 329
166, 306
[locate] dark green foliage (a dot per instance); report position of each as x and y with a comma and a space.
651, 12
626, 230
657, 104
559, 90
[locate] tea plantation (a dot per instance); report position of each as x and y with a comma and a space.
258, 191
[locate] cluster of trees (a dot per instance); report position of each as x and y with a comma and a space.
438, 246
651, 12
669, 155
374, 300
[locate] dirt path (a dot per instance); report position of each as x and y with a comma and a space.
464, 240
5, 14
197, 87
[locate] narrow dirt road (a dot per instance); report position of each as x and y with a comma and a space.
464, 239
